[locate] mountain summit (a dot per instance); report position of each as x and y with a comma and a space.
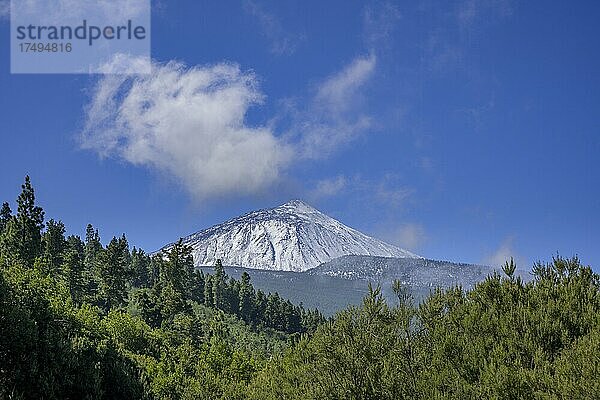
291, 237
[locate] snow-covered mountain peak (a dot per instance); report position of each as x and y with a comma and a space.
291, 237
300, 210
298, 206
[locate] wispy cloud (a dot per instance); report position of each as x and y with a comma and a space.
410, 236
334, 116
379, 22
66, 11
124, 64
387, 190
190, 124
503, 253
469, 11
383, 200
453, 25
392, 196
441, 54
282, 42
476, 115
337, 93
329, 187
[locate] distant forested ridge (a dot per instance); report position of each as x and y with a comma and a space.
83, 320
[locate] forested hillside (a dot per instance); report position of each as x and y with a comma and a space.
84, 320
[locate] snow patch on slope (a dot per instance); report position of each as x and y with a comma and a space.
291, 237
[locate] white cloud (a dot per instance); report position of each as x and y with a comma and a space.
69, 11
334, 117
410, 236
379, 23
387, 190
190, 124
392, 196
503, 253
456, 28
124, 64
369, 195
328, 187
470, 10
282, 42
337, 93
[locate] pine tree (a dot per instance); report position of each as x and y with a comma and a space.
112, 268
146, 300
154, 269
91, 253
23, 233
73, 267
208, 291
259, 308
293, 317
54, 245
232, 297
509, 268
219, 286
178, 268
171, 302
197, 287
140, 269
92, 246
274, 312
402, 292
5, 216
246, 296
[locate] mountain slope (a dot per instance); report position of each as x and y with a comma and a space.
291, 237
334, 285
412, 272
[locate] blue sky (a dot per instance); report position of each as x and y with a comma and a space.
465, 130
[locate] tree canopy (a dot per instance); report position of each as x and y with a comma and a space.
83, 320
